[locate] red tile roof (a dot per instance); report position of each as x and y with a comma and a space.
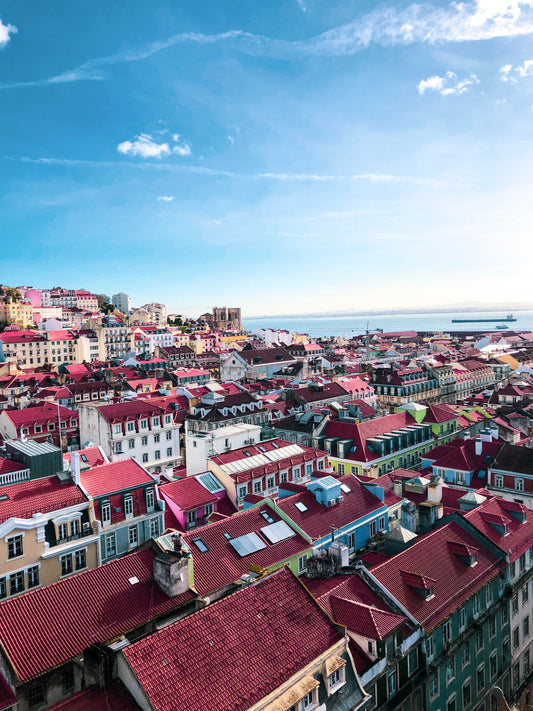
245, 646
41, 413
496, 511
187, 493
130, 410
318, 518
38, 496
7, 697
114, 697
96, 606
9, 465
221, 565
114, 477
370, 622
430, 559
90, 456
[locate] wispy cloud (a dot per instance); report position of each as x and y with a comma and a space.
508, 73
472, 20
145, 147
448, 85
302, 5
5, 33
165, 198
216, 172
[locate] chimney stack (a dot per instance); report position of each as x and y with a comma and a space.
75, 470
479, 446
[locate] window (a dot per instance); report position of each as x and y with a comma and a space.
128, 506
340, 468
477, 604
14, 546
516, 638
372, 528
36, 696
392, 682
68, 680
465, 655
117, 448
75, 528
516, 675
493, 665
156, 422
66, 564
133, 537
105, 510
526, 663
130, 426
271, 483
257, 487
169, 451
450, 670
479, 640
447, 631
433, 686
51, 426
480, 679
62, 531
412, 661
488, 590
522, 562
131, 443
16, 582
514, 605
308, 700
430, 646
169, 435
145, 458
110, 545
519, 484
143, 424
37, 428
144, 441
525, 627
154, 528
242, 492
336, 678
467, 694
283, 477
191, 518
525, 593
80, 559
157, 438
208, 510
33, 576
381, 523
462, 618
157, 454
492, 627
168, 420
150, 499
302, 563
117, 429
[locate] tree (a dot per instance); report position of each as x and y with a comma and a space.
103, 299
107, 308
4, 324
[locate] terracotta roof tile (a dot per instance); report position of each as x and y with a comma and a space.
38, 496
114, 477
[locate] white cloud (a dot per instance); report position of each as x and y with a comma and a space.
447, 85
144, 146
231, 140
470, 20
5, 33
508, 73
302, 5
165, 198
182, 149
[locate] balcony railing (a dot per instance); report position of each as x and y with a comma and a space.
76, 537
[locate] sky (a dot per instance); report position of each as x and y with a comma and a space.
287, 156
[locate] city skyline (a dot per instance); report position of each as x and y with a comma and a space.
367, 150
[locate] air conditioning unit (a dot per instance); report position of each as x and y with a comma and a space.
86, 526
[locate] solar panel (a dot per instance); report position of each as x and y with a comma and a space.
346, 489
249, 543
302, 508
278, 531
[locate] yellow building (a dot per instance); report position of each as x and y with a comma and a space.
18, 312
38, 548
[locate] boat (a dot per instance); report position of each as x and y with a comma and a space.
501, 327
509, 317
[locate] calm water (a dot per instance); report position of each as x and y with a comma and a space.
352, 325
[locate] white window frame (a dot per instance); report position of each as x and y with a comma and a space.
105, 513
128, 506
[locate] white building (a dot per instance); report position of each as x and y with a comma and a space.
199, 446
134, 429
122, 301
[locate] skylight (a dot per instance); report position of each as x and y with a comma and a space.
227, 536
302, 508
249, 543
278, 531
346, 489
200, 545
275, 445
268, 518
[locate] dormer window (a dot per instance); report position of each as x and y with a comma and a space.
422, 584
143, 424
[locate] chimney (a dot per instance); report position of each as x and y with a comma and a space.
397, 488
172, 571
75, 470
332, 533
479, 446
434, 490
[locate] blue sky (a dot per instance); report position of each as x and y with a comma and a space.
285, 156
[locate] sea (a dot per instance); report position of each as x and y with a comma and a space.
323, 326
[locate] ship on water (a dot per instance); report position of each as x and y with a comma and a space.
509, 317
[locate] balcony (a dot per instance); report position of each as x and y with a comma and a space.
84, 533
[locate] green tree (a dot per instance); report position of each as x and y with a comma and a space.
103, 299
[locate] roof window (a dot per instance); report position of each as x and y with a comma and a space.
302, 508
268, 518
200, 544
